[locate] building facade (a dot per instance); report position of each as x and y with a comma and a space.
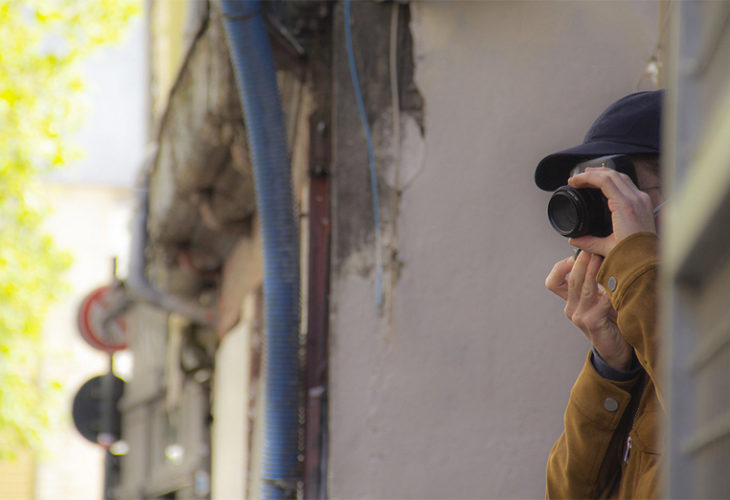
433, 363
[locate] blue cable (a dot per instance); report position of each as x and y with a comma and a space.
371, 156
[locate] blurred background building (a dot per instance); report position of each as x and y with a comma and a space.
452, 383
429, 361
92, 202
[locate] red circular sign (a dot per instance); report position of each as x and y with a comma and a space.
98, 329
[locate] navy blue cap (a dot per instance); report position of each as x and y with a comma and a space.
629, 126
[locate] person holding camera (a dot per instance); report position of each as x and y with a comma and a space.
606, 200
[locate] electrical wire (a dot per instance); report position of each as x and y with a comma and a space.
395, 102
653, 67
393, 57
371, 158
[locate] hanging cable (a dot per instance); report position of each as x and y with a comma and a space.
395, 102
371, 156
393, 59
652, 70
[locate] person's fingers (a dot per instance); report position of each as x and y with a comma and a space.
585, 309
631, 209
613, 184
618, 188
589, 282
591, 244
575, 282
556, 280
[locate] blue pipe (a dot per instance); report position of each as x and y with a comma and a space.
253, 66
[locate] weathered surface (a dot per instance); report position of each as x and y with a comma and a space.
353, 196
202, 189
201, 192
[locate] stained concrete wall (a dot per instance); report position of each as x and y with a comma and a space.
455, 388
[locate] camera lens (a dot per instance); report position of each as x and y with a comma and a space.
576, 212
563, 211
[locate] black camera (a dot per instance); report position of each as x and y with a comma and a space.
577, 212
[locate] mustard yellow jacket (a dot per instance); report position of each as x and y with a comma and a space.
610, 446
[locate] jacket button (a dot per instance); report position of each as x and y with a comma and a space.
612, 283
610, 404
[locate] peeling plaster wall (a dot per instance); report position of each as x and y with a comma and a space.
456, 387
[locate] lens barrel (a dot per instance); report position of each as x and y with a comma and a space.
577, 212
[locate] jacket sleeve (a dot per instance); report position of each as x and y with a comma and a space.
629, 274
586, 460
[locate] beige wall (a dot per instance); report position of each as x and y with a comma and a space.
460, 392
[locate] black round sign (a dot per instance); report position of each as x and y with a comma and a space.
95, 411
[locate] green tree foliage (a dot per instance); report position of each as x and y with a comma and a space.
41, 45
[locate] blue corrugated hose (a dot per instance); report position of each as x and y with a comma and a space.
256, 79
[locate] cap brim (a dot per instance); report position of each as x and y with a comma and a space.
553, 170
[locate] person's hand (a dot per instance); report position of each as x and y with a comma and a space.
589, 307
631, 209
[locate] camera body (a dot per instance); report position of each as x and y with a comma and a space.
576, 212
